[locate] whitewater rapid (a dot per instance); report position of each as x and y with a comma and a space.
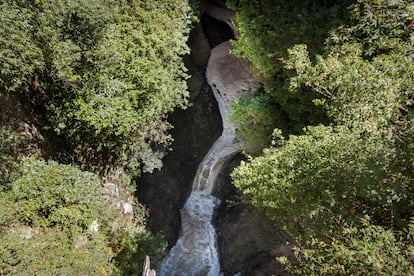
195, 252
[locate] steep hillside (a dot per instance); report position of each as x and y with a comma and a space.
85, 89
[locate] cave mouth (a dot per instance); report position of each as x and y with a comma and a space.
215, 31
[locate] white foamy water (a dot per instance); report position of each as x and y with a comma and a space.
195, 252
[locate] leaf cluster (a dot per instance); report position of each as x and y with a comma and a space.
255, 119
48, 211
370, 249
107, 72
320, 184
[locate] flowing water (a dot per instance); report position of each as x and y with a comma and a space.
195, 252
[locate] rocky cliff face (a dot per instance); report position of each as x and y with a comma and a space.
248, 242
195, 130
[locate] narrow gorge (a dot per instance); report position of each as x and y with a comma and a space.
184, 208
195, 253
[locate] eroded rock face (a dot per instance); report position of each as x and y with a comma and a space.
248, 242
164, 192
220, 13
229, 74
216, 31
195, 252
229, 78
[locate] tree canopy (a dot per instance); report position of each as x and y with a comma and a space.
96, 80
353, 156
107, 72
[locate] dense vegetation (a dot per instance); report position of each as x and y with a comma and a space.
94, 62
51, 209
96, 79
338, 94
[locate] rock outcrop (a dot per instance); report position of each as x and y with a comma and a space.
164, 192
195, 252
247, 241
223, 15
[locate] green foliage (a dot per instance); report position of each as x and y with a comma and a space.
377, 25
360, 163
119, 108
367, 95
54, 220
108, 72
48, 217
51, 252
50, 194
369, 250
135, 245
311, 179
367, 102
9, 141
20, 57
103, 75
268, 28
254, 118
294, 109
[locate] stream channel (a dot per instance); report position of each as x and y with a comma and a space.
195, 252
180, 197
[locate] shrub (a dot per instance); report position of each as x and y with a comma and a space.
54, 222
369, 250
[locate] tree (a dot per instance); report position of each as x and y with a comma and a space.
54, 221
360, 161
358, 251
106, 72
266, 30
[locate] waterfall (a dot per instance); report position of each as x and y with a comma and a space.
195, 252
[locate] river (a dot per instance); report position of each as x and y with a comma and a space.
195, 252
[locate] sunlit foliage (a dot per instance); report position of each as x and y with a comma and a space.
360, 161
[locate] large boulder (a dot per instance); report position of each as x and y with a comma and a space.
247, 240
229, 74
230, 78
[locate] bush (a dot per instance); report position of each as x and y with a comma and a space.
369, 250
9, 142
268, 28
20, 57
54, 222
255, 118
51, 194
106, 71
52, 252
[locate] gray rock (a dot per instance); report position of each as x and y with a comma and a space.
127, 208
